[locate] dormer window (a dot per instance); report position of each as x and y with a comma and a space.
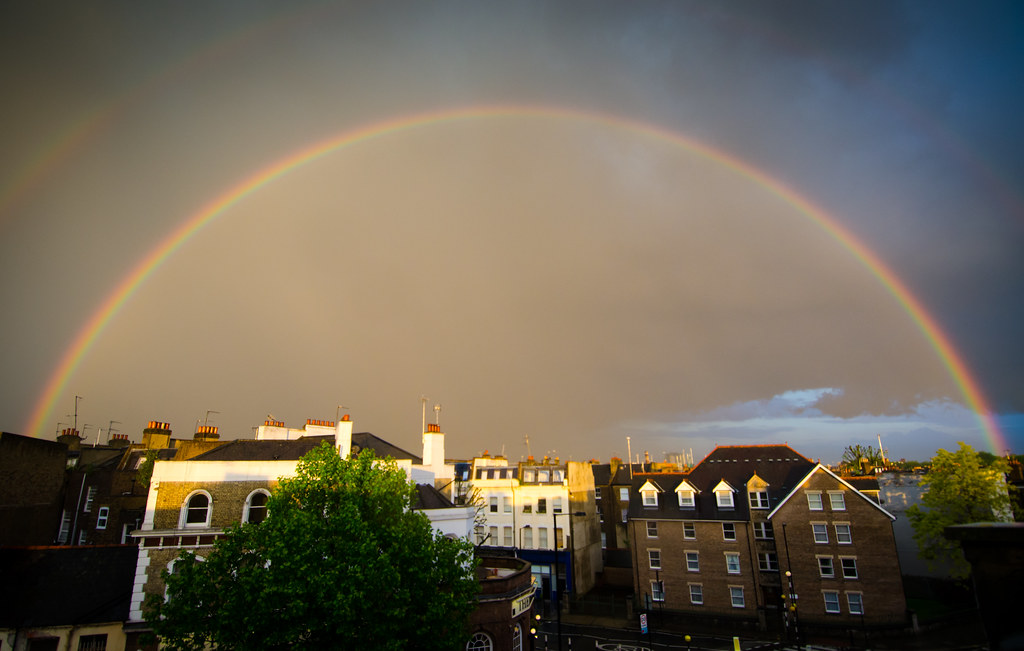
649, 493
686, 494
724, 495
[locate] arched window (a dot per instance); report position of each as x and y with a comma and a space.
517, 637
479, 642
196, 512
256, 507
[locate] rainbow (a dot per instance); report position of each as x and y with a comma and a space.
94, 327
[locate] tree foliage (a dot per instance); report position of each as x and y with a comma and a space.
341, 561
852, 455
959, 489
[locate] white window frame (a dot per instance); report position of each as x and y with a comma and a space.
650, 497
654, 559
764, 531
493, 503
736, 596
820, 532
183, 522
826, 567
732, 563
90, 497
814, 502
65, 528
556, 505
857, 609
507, 539
689, 531
527, 534
758, 499
542, 538
843, 530
831, 605
768, 561
542, 505
686, 499
848, 566
102, 516
837, 500
724, 499
727, 529
506, 503
480, 642
248, 504
623, 494
658, 591
692, 561
652, 528
697, 597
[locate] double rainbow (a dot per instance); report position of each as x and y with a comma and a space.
94, 327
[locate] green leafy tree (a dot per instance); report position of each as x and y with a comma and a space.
341, 562
959, 489
145, 473
852, 455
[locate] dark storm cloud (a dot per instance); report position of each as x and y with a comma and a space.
563, 280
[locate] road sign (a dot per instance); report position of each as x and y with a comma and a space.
643, 622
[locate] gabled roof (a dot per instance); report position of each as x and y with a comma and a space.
838, 479
52, 586
651, 486
428, 497
685, 485
277, 450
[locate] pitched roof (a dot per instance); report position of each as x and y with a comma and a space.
50, 586
382, 448
779, 466
839, 479
428, 497
265, 450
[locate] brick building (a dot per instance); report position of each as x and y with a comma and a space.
502, 619
752, 530
32, 480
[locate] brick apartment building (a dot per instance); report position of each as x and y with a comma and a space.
761, 533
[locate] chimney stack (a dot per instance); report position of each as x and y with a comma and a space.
343, 436
70, 437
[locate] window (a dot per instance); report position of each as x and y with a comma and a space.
507, 504
831, 601
65, 528
623, 494
728, 531
529, 476
543, 476
517, 638
849, 565
654, 558
556, 505
814, 501
696, 594
837, 500
625, 515
736, 594
724, 498
768, 562
689, 531
494, 504
92, 643
507, 537
528, 507
527, 537
763, 531
604, 540
843, 536
732, 563
42, 643
81, 537
197, 510
492, 538
256, 507
855, 601
650, 497
479, 642
556, 476
758, 499
686, 500
820, 532
692, 562
559, 541
652, 529
542, 505
542, 538
825, 567
90, 497
102, 516
658, 590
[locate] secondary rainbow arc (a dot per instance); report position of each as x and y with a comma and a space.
93, 328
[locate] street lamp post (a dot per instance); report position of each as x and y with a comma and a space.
554, 578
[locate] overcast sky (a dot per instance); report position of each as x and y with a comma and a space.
539, 272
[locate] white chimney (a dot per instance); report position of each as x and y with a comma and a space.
433, 449
343, 436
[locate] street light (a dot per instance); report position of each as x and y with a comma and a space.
558, 592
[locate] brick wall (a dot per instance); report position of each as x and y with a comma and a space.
228, 501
